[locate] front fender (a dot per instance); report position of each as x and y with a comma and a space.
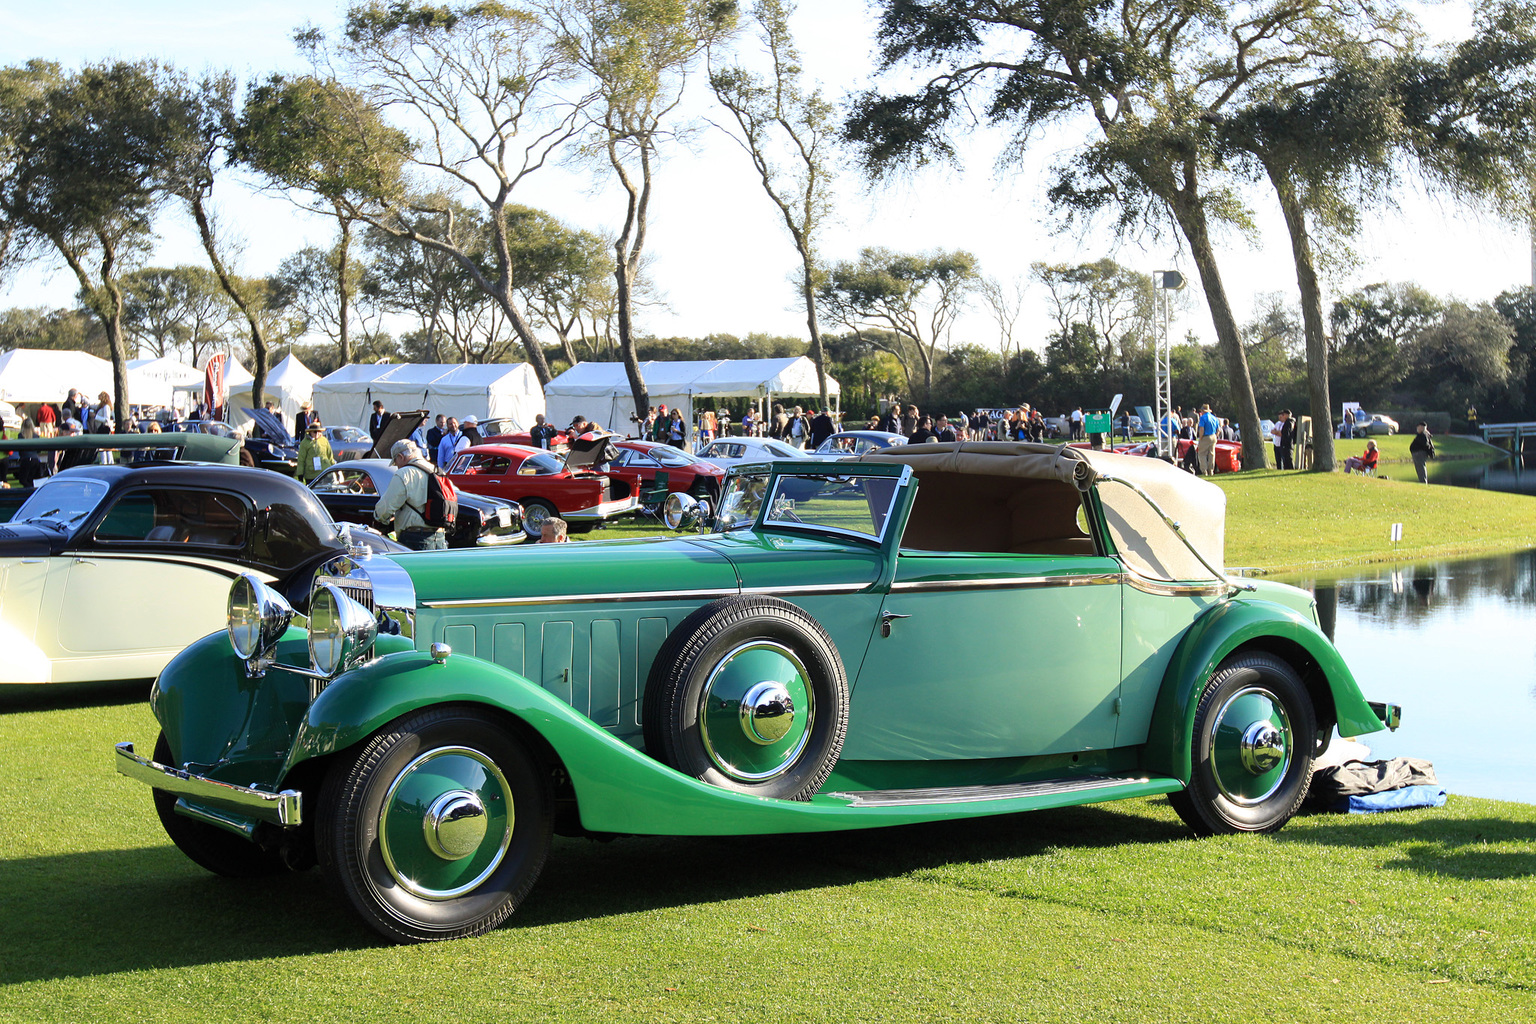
1222, 629
618, 788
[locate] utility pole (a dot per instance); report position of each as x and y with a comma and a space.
1162, 362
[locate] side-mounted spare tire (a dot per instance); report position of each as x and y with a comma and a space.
748, 693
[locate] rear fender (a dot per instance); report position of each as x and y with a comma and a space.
1255, 625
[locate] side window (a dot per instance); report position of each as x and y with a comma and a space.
175, 517
482, 465
345, 481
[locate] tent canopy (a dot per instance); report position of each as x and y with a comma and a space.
600, 391
289, 384
153, 381
46, 375
483, 390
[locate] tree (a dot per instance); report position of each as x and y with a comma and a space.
637, 56
323, 139
481, 79
1461, 360
172, 309
565, 278
1006, 303
917, 298
1113, 302
312, 282
87, 175
1371, 327
1151, 79
783, 124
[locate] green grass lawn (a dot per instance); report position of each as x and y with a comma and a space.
1111, 913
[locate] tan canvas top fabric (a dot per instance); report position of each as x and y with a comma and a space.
1138, 533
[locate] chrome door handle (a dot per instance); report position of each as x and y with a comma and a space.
84, 561
886, 618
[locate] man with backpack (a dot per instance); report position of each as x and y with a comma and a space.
419, 502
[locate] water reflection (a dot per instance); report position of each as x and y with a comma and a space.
1516, 475
1452, 642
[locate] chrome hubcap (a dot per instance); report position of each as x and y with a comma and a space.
1262, 747
767, 713
455, 824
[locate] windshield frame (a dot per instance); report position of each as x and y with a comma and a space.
84, 484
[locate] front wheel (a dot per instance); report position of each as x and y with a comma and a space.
1254, 737
440, 826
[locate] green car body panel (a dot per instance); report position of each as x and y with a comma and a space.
1104, 680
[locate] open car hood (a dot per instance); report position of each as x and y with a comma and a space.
589, 449
399, 426
272, 428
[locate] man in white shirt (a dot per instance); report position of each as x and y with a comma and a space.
452, 443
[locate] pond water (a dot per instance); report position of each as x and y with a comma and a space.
1515, 474
1453, 643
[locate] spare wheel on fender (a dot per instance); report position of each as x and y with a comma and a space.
748, 693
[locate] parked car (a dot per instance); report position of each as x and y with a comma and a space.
45, 455
348, 442
729, 451
847, 443
540, 482
640, 463
858, 659
1367, 423
275, 449
350, 490
94, 547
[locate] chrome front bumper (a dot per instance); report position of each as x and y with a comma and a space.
276, 808
602, 510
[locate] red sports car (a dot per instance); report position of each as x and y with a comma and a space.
638, 463
541, 483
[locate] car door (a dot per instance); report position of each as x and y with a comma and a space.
986, 655
150, 577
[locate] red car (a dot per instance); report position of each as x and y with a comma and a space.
541, 483
1229, 454
638, 462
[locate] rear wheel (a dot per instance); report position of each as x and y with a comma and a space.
209, 846
439, 827
1254, 737
535, 511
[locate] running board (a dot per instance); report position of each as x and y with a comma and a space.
1092, 787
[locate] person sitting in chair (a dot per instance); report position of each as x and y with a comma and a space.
1365, 462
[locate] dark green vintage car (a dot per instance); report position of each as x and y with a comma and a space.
931, 632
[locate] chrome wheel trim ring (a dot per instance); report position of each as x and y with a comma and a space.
400, 877
1253, 734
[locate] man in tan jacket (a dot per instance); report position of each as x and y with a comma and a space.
405, 500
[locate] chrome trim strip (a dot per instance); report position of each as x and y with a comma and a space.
277, 808
497, 602
803, 589
1163, 588
1009, 583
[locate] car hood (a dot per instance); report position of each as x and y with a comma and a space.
399, 426
272, 427
664, 568
23, 540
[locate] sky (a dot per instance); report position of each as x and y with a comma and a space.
722, 260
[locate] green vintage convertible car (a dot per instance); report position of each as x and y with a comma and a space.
930, 632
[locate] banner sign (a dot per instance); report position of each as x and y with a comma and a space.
215, 395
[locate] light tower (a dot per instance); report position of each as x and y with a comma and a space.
1164, 281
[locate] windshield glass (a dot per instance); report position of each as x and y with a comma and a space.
669, 456
62, 499
843, 502
348, 434
541, 464
742, 498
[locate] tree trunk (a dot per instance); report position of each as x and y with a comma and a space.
1190, 213
627, 354
344, 248
258, 339
1323, 458
818, 353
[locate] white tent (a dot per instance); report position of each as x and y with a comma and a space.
600, 391
289, 384
234, 376
46, 375
153, 381
483, 390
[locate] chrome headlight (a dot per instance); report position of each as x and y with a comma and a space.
340, 630
684, 510
258, 617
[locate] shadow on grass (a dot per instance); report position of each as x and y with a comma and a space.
19, 697
107, 912
1431, 844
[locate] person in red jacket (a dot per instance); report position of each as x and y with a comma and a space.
1364, 462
